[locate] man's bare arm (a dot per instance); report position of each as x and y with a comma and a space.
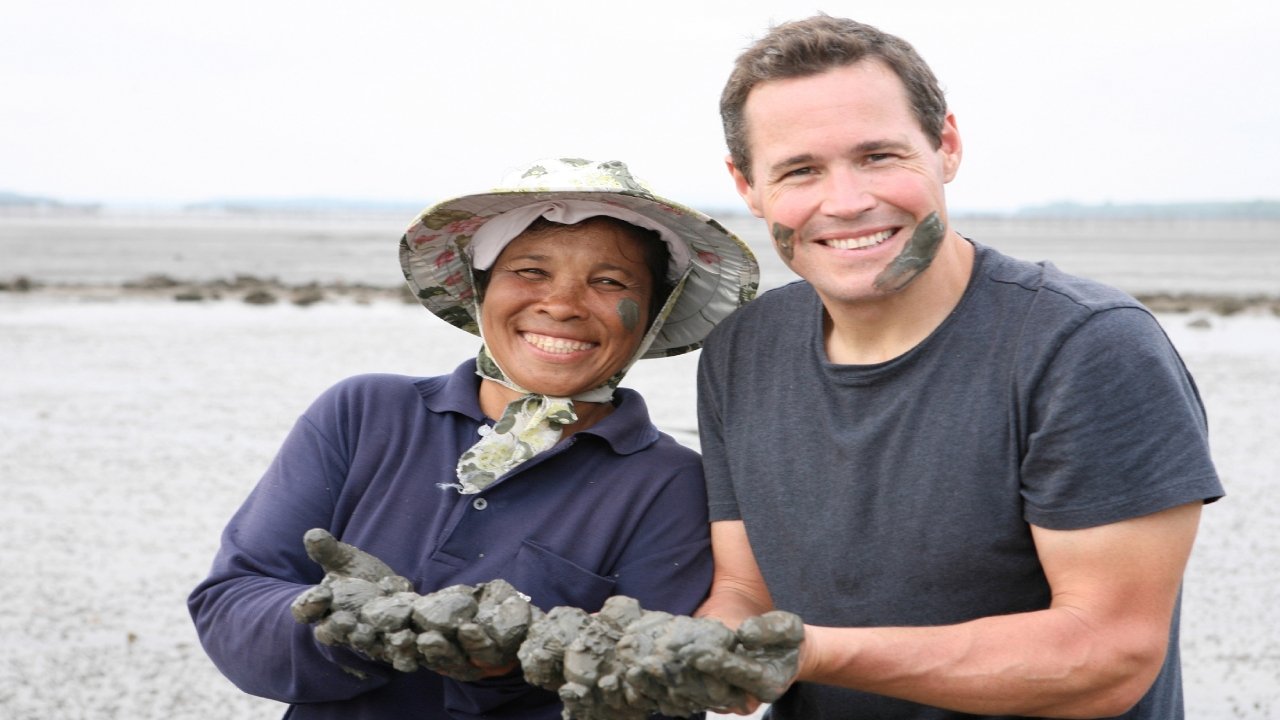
738, 590
1093, 653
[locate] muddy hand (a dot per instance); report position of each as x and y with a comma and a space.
662, 655
472, 632
339, 558
767, 657
353, 579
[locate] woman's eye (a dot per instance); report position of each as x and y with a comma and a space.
530, 272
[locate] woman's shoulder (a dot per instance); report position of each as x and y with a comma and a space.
378, 384
367, 392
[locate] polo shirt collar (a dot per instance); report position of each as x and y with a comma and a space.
627, 429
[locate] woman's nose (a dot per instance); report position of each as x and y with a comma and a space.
564, 300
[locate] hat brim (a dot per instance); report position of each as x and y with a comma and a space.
722, 276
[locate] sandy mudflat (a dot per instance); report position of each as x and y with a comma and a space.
131, 429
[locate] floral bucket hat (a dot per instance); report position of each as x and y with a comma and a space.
712, 270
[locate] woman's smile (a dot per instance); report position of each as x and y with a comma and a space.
556, 345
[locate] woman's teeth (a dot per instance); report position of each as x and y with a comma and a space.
555, 345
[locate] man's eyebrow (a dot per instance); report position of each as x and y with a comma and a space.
790, 162
873, 146
863, 148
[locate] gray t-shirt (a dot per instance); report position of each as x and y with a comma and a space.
899, 494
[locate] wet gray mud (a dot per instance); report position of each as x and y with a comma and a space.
916, 255
620, 663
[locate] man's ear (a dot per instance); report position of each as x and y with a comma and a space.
743, 186
951, 148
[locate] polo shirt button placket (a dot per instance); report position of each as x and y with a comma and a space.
480, 503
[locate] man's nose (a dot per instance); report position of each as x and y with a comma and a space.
847, 192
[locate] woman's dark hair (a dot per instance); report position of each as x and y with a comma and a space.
656, 257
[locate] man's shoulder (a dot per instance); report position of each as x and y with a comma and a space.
770, 313
788, 298
1047, 285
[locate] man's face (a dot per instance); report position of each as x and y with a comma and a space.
842, 174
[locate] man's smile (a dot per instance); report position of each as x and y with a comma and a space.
854, 243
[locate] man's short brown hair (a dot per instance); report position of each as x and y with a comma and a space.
815, 45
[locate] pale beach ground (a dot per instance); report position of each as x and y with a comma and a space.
131, 426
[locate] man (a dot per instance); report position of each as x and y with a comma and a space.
977, 479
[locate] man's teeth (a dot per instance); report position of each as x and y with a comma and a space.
555, 345
860, 242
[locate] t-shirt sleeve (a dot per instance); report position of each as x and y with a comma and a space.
722, 502
1116, 427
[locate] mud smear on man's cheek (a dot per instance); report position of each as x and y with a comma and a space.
784, 239
629, 311
915, 256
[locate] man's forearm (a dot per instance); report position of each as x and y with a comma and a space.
731, 605
1044, 663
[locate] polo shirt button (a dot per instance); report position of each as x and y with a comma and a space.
480, 503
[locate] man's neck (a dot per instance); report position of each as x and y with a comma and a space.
877, 331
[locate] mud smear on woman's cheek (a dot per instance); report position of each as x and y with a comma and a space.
916, 255
629, 311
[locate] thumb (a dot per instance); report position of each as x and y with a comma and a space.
339, 558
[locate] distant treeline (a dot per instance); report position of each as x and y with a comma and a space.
14, 200
1244, 210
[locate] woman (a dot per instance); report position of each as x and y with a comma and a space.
526, 463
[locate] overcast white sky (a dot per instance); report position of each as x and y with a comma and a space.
171, 101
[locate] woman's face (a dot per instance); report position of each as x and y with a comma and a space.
566, 308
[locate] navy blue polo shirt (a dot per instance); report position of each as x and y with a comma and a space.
617, 509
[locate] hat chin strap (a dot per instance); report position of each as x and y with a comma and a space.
530, 425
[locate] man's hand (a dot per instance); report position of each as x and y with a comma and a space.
625, 662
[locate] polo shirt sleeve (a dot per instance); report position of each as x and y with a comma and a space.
242, 609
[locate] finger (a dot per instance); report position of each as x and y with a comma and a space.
772, 629
350, 593
442, 656
478, 646
312, 604
443, 610
401, 648
366, 639
747, 706
343, 559
335, 629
